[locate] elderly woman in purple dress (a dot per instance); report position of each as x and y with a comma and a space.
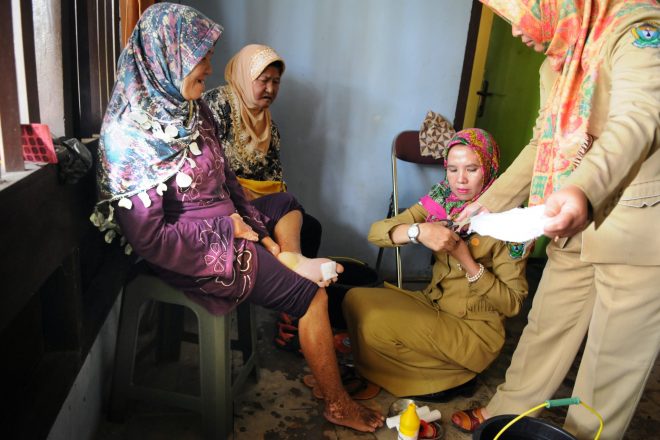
166, 187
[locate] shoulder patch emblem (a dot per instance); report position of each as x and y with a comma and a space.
516, 250
646, 35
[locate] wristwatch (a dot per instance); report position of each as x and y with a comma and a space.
413, 233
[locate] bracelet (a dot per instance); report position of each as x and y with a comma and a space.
473, 278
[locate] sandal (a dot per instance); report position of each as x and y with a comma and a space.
468, 420
287, 339
342, 343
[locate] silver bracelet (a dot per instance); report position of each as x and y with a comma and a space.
475, 277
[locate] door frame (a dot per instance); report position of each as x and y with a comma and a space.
474, 64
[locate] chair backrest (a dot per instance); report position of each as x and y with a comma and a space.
406, 147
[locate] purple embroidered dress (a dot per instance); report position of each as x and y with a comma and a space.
164, 181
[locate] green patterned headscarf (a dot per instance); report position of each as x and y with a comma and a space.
440, 202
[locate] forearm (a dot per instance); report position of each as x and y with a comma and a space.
631, 133
182, 247
381, 231
504, 284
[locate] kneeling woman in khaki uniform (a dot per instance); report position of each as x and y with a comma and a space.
432, 343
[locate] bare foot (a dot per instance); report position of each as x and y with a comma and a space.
351, 414
309, 268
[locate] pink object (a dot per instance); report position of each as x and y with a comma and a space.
436, 212
37, 143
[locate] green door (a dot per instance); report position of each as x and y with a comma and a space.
509, 96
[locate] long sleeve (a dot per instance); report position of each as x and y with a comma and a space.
250, 214
504, 285
194, 247
631, 131
379, 234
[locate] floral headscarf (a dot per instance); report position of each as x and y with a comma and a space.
252, 125
574, 33
149, 127
440, 202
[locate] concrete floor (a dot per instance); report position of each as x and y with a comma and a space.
280, 406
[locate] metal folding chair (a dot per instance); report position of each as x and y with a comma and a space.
405, 147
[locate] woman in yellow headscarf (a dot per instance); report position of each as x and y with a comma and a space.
251, 140
594, 162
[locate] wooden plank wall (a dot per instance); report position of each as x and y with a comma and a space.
59, 277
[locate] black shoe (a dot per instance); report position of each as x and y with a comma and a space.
465, 390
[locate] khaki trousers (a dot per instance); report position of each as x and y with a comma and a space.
619, 306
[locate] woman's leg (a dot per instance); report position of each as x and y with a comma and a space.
557, 323
318, 348
622, 345
285, 216
287, 232
431, 353
293, 229
278, 288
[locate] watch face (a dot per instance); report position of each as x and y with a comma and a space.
413, 231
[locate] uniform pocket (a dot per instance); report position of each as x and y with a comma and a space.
640, 202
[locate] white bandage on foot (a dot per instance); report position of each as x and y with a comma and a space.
329, 270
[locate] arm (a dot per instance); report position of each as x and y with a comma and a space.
192, 248
255, 219
504, 285
393, 231
379, 234
250, 214
631, 132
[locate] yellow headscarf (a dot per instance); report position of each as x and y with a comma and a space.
252, 131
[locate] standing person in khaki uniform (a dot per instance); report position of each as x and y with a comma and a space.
594, 162
432, 343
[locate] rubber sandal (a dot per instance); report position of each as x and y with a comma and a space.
467, 420
285, 318
309, 380
342, 343
287, 338
370, 391
430, 430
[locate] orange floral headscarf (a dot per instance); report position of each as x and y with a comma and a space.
573, 32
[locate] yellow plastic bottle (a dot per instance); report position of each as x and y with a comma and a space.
409, 426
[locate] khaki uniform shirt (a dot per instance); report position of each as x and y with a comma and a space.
498, 293
620, 174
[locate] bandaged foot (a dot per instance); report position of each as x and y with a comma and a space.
320, 270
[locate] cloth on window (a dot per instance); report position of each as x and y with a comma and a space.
74, 159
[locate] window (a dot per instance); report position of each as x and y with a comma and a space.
68, 66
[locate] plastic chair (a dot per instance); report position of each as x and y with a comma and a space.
405, 147
215, 402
